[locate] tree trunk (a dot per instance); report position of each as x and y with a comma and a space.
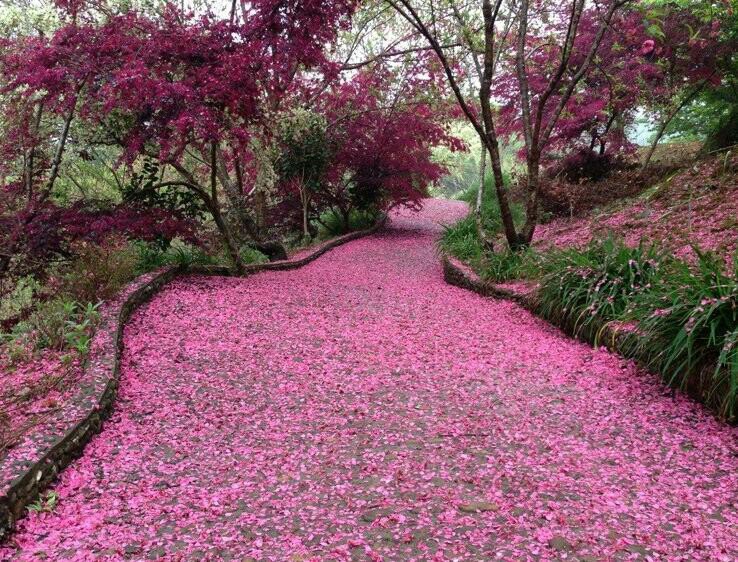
272, 249
230, 243
33, 204
260, 210
484, 240
669, 118
217, 216
531, 204
305, 200
490, 135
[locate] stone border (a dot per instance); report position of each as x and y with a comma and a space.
456, 272
610, 335
35, 462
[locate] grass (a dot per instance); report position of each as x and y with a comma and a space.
461, 240
688, 329
685, 315
581, 289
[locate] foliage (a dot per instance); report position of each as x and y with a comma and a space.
690, 321
583, 289
46, 503
584, 165
359, 219
462, 241
99, 270
648, 56
58, 324
383, 138
186, 93
462, 238
142, 192
304, 148
250, 255
507, 265
53, 233
18, 297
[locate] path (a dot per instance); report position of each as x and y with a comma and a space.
360, 408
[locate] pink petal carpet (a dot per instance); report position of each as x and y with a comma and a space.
361, 409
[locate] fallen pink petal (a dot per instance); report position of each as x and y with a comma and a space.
345, 410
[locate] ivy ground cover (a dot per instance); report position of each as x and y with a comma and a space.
361, 409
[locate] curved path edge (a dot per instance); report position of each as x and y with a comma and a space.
610, 335
43, 454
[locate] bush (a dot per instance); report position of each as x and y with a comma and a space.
56, 324
17, 297
582, 289
250, 255
584, 165
151, 256
99, 271
690, 321
334, 223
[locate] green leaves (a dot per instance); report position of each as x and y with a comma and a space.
46, 503
689, 329
582, 289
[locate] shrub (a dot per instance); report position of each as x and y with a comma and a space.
151, 256
690, 322
582, 289
250, 255
584, 165
17, 297
99, 271
57, 324
335, 224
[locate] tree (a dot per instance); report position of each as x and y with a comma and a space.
366, 143
694, 44
189, 92
539, 111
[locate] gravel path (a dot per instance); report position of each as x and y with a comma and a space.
360, 408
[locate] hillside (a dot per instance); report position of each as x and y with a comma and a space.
695, 206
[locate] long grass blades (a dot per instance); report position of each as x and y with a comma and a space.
689, 322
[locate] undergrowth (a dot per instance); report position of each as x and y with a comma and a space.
688, 329
581, 289
461, 240
683, 316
